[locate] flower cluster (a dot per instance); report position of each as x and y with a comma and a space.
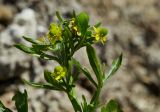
77, 28
59, 72
55, 33
100, 34
74, 27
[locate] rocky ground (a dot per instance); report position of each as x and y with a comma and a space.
134, 27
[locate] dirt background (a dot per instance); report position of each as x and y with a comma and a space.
134, 30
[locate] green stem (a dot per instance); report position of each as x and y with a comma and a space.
95, 99
74, 102
78, 46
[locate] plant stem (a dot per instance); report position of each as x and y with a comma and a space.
95, 99
74, 101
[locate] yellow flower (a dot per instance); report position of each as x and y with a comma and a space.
59, 72
100, 34
55, 33
74, 27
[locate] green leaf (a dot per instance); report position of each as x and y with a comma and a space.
112, 106
30, 40
83, 20
97, 25
36, 51
103, 31
115, 66
24, 48
45, 86
48, 57
88, 75
89, 34
75, 103
37, 47
103, 109
95, 99
68, 39
59, 16
50, 79
21, 101
95, 63
3, 108
74, 14
85, 72
84, 105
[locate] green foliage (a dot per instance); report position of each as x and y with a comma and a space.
95, 64
24, 48
44, 86
21, 101
30, 40
85, 72
60, 44
3, 108
115, 66
83, 20
112, 106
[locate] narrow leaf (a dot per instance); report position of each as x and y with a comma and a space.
85, 105
24, 48
95, 63
37, 47
21, 101
88, 75
85, 72
97, 25
115, 66
48, 57
112, 106
36, 52
30, 40
47, 76
83, 20
74, 14
45, 86
59, 16
75, 104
